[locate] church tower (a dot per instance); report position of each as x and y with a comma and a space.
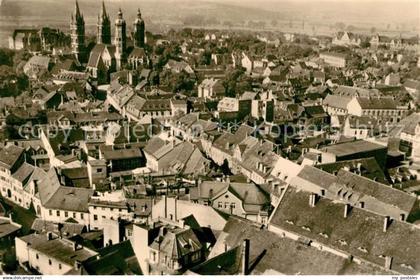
139, 31
104, 27
77, 28
120, 40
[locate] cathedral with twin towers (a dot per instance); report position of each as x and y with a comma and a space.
109, 53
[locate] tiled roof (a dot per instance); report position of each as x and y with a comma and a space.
121, 154
347, 148
266, 248
24, 171
369, 168
377, 103
372, 189
9, 155
57, 248
66, 229
70, 199
361, 234
356, 92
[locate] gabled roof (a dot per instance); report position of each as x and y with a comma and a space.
368, 167
377, 103
118, 259
356, 92
111, 154
40, 61
23, 173
137, 53
314, 176
347, 148
227, 263
96, 54
250, 194
10, 155
69, 198
8, 227
66, 229
382, 193
57, 248
176, 242
412, 84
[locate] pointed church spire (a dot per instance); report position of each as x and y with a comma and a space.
77, 10
104, 27
103, 11
77, 27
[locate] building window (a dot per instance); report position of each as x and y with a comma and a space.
58, 213
50, 212
226, 205
74, 215
220, 205
37, 256
81, 215
232, 205
49, 262
66, 214
95, 217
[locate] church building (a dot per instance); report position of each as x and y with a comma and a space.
110, 55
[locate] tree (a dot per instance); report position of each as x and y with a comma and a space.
274, 23
9, 260
224, 168
340, 26
205, 58
373, 30
228, 24
154, 78
351, 28
13, 120
365, 44
6, 57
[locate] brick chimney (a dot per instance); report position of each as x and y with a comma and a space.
347, 209
50, 235
387, 221
388, 262
166, 205
176, 208
245, 258
312, 199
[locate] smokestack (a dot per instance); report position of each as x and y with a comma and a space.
347, 209
387, 221
245, 257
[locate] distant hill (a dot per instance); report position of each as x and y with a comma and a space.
390, 17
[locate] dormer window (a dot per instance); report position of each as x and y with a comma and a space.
290, 222
342, 242
324, 235
362, 249
306, 228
